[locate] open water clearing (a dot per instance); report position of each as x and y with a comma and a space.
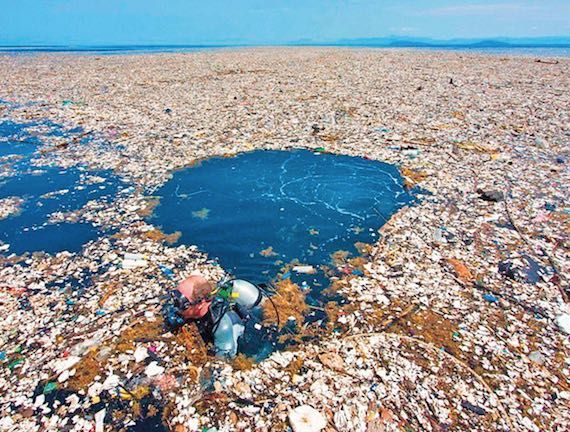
267, 216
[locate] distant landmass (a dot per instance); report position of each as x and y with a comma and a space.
414, 42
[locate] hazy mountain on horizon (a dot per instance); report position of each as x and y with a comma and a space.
419, 42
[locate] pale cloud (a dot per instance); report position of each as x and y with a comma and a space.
404, 30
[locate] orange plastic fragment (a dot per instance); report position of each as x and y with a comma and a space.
461, 270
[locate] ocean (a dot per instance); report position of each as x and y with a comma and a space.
563, 51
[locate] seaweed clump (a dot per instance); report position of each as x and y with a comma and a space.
158, 236
242, 362
288, 301
412, 177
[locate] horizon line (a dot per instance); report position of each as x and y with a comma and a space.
341, 41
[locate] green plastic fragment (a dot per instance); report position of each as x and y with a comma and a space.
49, 387
320, 149
15, 363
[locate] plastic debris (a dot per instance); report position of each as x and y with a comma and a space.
13, 364
537, 357
132, 261
99, 420
65, 364
332, 360
306, 419
140, 354
491, 195
168, 272
153, 369
49, 387
432, 328
40, 400
473, 408
305, 269
563, 322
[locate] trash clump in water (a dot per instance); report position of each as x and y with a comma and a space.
34, 197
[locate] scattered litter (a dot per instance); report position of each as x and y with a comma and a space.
491, 195
99, 420
473, 408
306, 419
307, 269
483, 339
153, 369
140, 354
132, 261
563, 322
537, 357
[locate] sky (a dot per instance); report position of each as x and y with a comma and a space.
187, 22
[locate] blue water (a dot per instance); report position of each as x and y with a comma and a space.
540, 51
258, 211
14, 140
45, 190
111, 49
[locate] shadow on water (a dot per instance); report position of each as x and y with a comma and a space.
258, 212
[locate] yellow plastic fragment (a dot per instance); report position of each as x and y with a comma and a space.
125, 395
